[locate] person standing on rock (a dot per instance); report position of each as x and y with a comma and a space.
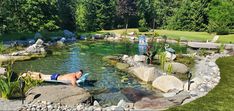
70, 77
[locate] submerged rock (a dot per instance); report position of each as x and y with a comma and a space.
63, 94
122, 66
166, 83
153, 104
134, 95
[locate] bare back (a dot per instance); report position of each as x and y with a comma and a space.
71, 77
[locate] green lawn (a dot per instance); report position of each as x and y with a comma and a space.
221, 97
226, 38
186, 35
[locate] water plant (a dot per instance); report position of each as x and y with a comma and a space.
29, 83
221, 48
7, 87
169, 69
1, 47
162, 58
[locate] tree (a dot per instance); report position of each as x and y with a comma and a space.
126, 9
221, 16
81, 17
106, 12
40, 15
164, 10
66, 9
191, 16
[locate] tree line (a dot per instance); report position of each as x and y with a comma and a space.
92, 15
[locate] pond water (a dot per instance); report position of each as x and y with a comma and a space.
88, 56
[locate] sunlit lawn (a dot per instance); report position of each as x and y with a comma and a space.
183, 35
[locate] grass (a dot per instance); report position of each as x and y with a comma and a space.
221, 97
184, 35
226, 38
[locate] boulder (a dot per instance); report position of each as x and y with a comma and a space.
170, 56
166, 83
36, 48
122, 66
125, 57
153, 104
139, 58
68, 34
63, 94
177, 67
144, 73
39, 42
2, 71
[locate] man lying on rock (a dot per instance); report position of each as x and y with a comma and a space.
70, 77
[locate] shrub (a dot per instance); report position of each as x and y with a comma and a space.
143, 29
169, 69
162, 58
7, 87
2, 48
29, 83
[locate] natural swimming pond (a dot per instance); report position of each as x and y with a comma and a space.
88, 56
111, 84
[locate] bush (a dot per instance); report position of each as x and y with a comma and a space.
7, 87
143, 29
222, 31
2, 48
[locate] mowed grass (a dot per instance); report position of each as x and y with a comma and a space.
226, 38
221, 98
183, 35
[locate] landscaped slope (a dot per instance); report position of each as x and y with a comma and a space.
221, 97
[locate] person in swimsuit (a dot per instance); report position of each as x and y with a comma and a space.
72, 77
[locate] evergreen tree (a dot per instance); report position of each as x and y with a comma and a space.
221, 16
191, 16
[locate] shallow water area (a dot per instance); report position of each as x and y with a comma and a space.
106, 82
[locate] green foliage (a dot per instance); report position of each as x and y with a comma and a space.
2, 48
29, 83
169, 69
192, 15
188, 61
221, 48
162, 58
221, 16
7, 87
143, 29
91, 15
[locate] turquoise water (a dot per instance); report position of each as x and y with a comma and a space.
88, 56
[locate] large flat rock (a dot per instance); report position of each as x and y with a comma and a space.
63, 94
144, 73
208, 45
